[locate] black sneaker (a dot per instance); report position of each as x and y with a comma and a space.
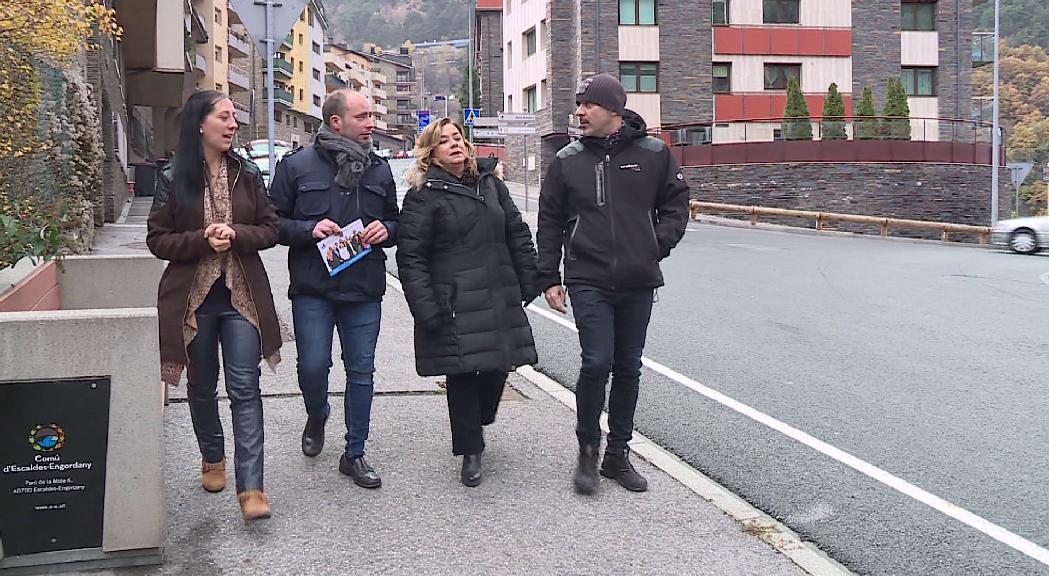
313, 437
585, 477
363, 475
619, 468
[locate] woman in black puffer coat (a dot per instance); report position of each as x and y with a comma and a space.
467, 264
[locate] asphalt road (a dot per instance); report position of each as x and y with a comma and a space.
924, 360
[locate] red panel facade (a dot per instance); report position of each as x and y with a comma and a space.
766, 41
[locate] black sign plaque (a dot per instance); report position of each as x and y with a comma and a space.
53, 442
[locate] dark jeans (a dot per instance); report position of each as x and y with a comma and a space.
315, 321
612, 329
473, 400
241, 353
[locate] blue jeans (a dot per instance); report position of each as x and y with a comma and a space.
612, 329
241, 353
315, 322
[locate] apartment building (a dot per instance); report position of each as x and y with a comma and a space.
402, 92
727, 66
355, 69
488, 54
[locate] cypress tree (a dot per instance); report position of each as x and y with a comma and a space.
833, 124
800, 129
865, 129
898, 112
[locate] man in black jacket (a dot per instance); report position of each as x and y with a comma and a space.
316, 190
616, 203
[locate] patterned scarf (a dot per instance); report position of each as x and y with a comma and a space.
351, 157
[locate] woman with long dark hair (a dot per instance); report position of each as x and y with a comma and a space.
467, 265
210, 218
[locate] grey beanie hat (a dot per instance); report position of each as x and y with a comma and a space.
603, 90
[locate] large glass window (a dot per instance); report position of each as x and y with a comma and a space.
781, 11
531, 99
639, 76
919, 81
529, 42
778, 75
637, 12
919, 16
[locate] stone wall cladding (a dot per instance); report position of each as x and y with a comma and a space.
598, 46
875, 47
685, 49
955, 193
490, 61
955, 24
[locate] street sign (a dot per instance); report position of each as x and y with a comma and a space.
439, 98
486, 132
517, 130
1019, 172
253, 15
424, 119
517, 117
486, 122
469, 114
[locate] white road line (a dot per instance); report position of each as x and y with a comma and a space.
1010, 539
1045, 278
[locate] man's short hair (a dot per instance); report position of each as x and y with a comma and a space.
334, 105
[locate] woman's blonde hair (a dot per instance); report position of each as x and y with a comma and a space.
427, 142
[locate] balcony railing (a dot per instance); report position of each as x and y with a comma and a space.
243, 114
239, 77
200, 63
378, 77
239, 46
379, 93
982, 48
282, 67
380, 109
852, 139
332, 80
283, 97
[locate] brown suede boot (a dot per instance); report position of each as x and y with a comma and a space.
254, 505
213, 475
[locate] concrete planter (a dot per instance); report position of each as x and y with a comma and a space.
92, 317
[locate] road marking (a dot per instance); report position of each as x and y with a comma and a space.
1045, 278
1010, 539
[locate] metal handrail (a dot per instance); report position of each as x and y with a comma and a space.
884, 223
961, 130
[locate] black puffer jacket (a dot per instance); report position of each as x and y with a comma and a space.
616, 211
467, 265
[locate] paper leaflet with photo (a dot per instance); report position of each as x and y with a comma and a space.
340, 251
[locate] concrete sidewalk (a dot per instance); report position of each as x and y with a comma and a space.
523, 519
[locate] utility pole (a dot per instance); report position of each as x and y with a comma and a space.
470, 63
270, 128
996, 137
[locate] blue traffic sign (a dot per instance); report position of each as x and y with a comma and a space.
424, 119
469, 114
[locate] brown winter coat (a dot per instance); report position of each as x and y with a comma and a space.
176, 233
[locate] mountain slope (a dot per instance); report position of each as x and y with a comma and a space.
389, 23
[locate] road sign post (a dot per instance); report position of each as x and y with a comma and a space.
424, 119
1019, 172
470, 115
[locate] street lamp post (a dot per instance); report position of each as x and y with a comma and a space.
996, 137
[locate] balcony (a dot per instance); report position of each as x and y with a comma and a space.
333, 82
282, 97
154, 55
358, 77
243, 114
982, 48
200, 64
379, 93
282, 69
378, 77
288, 42
380, 109
381, 125
238, 47
238, 79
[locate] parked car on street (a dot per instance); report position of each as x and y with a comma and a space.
259, 153
1022, 235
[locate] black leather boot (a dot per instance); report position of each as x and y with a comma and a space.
471, 473
363, 474
585, 478
313, 437
619, 468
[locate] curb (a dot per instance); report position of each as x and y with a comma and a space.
753, 521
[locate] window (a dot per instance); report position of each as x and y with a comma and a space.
316, 100
302, 97
218, 16
531, 99
277, 116
294, 121
300, 66
919, 81
300, 39
777, 75
918, 15
309, 16
316, 48
509, 103
402, 104
720, 15
639, 76
403, 76
781, 11
404, 119
637, 12
218, 53
529, 42
722, 77
219, 87
308, 127
316, 74
509, 54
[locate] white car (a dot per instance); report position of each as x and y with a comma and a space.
1022, 235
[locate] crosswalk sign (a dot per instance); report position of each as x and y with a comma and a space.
469, 114
424, 119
